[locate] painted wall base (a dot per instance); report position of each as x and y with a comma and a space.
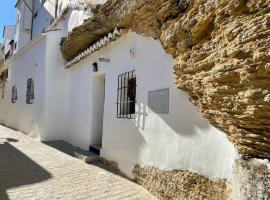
251, 179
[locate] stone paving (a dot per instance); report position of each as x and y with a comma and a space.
30, 170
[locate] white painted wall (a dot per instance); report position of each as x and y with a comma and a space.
42, 60
181, 139
27, 117
57, 89
77, 18
81, 11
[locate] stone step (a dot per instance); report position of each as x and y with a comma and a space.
86, 156
71, 150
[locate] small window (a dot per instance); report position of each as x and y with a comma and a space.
3, 92
30, 91
126, 95
14, 94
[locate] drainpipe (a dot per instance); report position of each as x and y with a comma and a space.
32, 21
56, 9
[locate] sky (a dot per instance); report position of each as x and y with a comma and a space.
7, 15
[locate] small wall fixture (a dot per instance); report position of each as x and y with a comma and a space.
107, 60
132, 52
95, 67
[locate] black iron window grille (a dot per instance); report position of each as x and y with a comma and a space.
30, 91
14, 94
126, 95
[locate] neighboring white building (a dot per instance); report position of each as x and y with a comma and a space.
122, 98
8, 35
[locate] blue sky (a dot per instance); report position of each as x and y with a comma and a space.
7, 14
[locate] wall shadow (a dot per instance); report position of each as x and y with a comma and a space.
183, 119
96, 161
16, 169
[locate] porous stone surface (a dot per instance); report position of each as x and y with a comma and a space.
221, 51
251, 179
226, 70
142, 16
176, 185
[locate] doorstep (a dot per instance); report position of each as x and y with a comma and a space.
71, 150
86, 156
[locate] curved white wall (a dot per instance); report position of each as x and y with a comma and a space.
181, 139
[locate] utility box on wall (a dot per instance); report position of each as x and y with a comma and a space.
158, 101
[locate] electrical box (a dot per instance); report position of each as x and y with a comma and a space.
158, 101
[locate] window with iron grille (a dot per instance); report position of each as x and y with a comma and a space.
126, 95
14, 94
30, 91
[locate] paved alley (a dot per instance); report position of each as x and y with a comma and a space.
30, 170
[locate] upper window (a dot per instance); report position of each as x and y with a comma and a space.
30, 91
14, 94
126, 95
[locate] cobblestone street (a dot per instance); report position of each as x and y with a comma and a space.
31, 170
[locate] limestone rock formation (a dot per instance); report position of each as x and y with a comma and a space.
226, 71
176, 185
142, 16
221, 50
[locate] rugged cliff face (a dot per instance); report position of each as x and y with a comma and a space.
226, 71
221, 50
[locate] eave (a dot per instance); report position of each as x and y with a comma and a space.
101, 43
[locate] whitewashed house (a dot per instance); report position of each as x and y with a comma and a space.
119, 99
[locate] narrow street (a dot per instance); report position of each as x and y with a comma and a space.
31, 170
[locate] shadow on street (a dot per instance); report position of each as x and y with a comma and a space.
16, 169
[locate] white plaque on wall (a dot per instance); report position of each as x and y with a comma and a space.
158, 101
